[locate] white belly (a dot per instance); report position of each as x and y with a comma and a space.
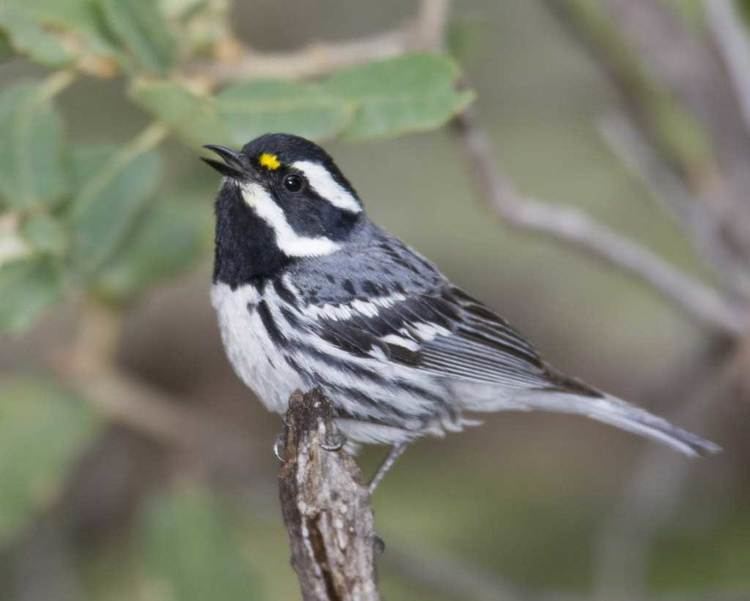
255, 358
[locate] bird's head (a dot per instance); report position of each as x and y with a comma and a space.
282, 198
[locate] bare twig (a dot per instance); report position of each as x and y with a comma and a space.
423, 32
657, 65
576, 229
633, 150
90, 367
326, 508
429, 24
315, 59
692, 214
689, 68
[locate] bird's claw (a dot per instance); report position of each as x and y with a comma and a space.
333, 440
278, 448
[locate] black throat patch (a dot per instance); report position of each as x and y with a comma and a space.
245, 249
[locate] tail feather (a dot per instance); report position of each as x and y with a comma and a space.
616, 412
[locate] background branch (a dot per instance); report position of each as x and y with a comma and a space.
677, 90
690, 212
422, 32
576, 229
732, 41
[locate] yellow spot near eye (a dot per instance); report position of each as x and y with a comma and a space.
269, 161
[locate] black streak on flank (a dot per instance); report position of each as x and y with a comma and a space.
290, 317
268, 323
284, 293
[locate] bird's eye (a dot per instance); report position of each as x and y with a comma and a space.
294, 182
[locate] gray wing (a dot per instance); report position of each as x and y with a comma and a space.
396, 307
443, 332
393, 304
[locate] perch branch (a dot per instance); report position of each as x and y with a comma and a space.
326, 508
574, 228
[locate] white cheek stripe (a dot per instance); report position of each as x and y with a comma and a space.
291, 243
327, 187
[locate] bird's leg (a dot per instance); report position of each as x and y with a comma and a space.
393, 454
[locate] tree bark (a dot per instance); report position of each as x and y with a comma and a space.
326, 508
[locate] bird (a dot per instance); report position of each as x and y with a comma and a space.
309, 292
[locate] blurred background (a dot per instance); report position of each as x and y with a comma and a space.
135, 465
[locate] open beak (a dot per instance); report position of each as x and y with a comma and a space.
232, 165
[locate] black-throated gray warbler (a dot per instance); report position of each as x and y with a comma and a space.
310, 292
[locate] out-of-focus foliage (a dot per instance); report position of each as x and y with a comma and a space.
190, 549
29, 286
167, 240
405, 94
98, 220
43, 431
388, 98
115, 186
32, 173
55, 33
141, 31
77, 210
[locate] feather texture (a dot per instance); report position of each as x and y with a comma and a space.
310, 292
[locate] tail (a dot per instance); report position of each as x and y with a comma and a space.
615, 412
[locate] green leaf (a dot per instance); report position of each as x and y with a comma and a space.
28, 287
744, 9
114, 190
43, 432
167, 240
29, 38
192, 116
31, 148
190, 550
88, 160
181, 9
410, 93
255, 108
6, 50
53, 32
141, 29
45, 233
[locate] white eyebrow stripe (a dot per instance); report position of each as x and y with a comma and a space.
327, 187
289, 241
